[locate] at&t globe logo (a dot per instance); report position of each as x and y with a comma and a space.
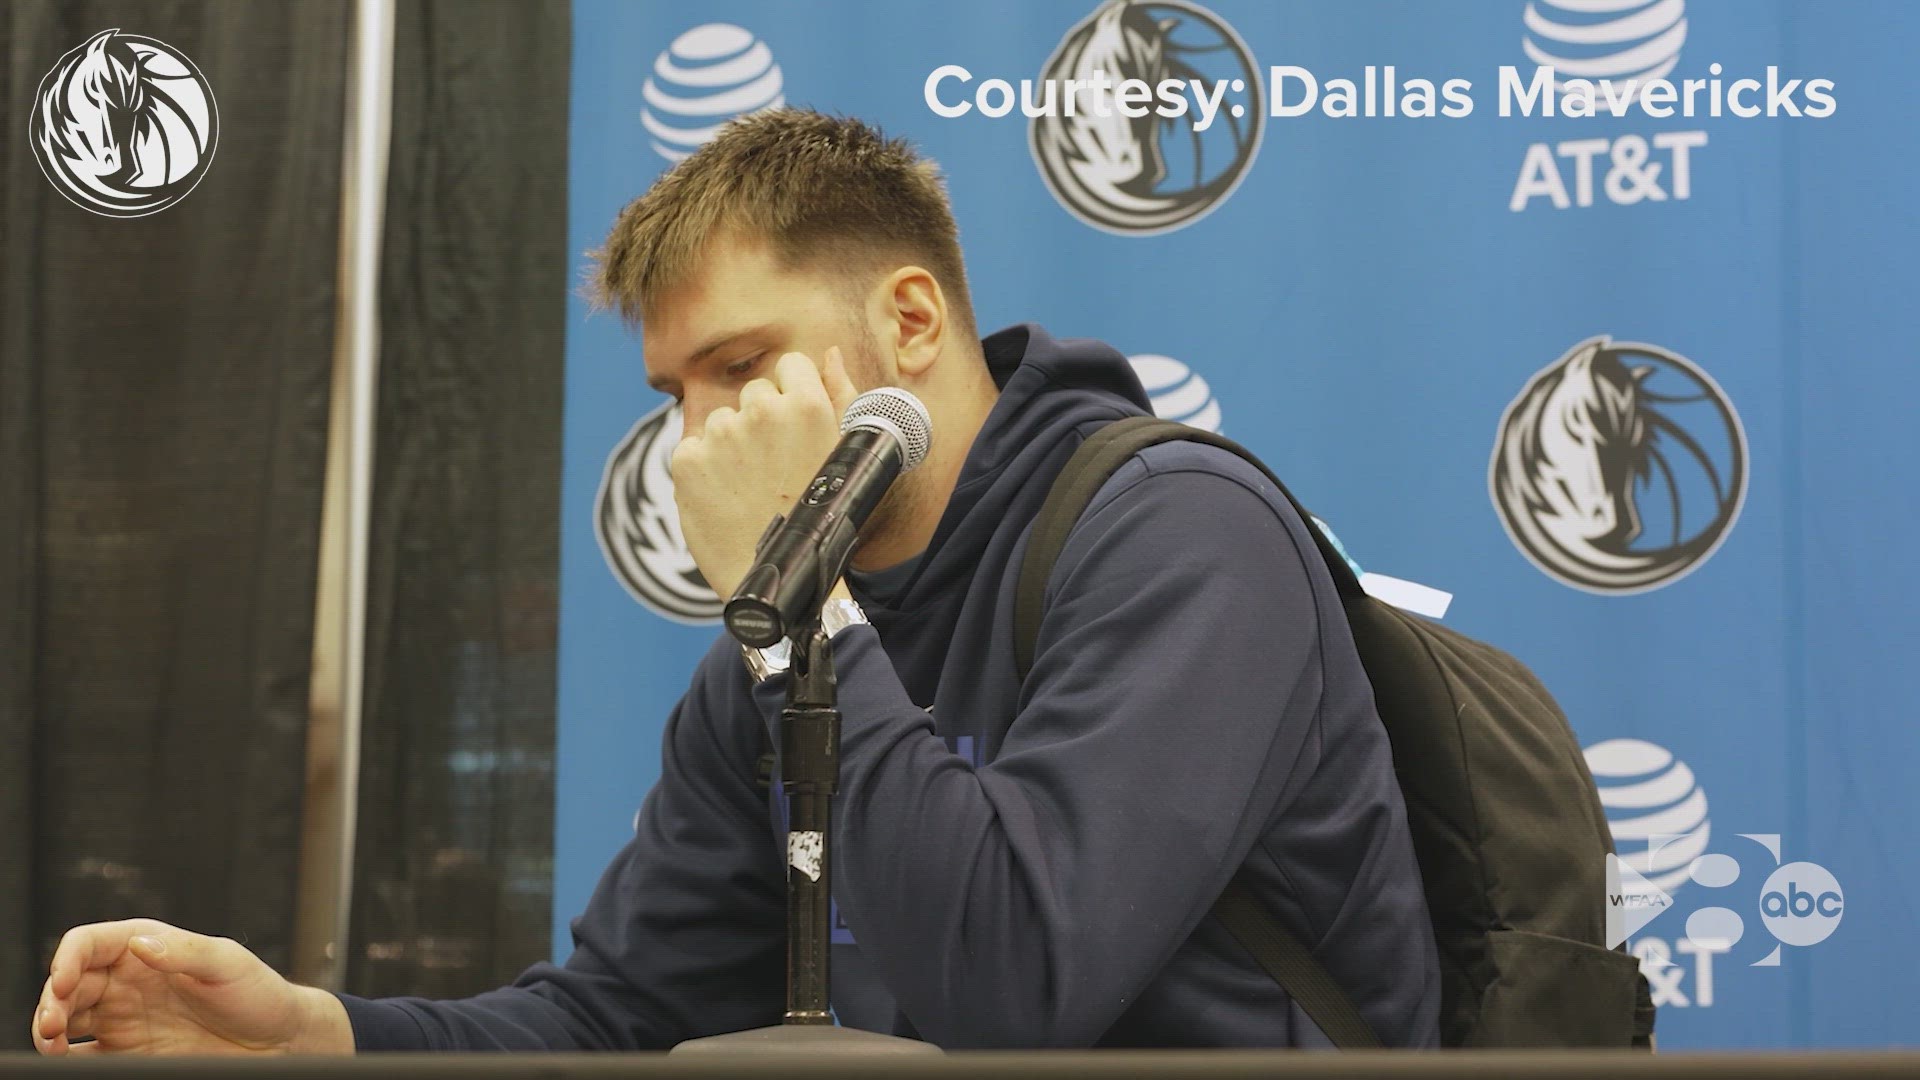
709, 75
1176, 391
124, 125
1654, 807
1148, 174
1619, 468
1606, 39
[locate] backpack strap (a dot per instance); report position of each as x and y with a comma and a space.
1283, 955
1304, 978
1090, 467
1643, 1012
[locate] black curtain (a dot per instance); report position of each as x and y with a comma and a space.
163, 408
453, 865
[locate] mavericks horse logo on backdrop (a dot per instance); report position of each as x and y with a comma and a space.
1620, 468
638, 523
124, 125
1147, 174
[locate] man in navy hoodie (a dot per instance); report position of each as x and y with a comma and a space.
1017, 863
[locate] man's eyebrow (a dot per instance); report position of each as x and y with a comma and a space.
712, 345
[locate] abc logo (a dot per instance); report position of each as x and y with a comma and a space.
1801, 903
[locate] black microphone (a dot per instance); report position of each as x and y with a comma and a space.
885, 432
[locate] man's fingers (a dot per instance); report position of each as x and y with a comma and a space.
51, 1016
75, 954
96, 945
796, 373
758, 392
840, 387
81, 1026
85, 996
208, 959
42, 1018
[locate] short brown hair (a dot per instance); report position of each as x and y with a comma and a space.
825, 191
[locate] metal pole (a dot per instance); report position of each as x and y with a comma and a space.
810, 768
333, 759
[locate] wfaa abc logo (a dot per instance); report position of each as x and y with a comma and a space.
1658, 816
124, 125
1619, 468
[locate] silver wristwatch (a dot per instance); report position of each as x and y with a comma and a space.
835, 615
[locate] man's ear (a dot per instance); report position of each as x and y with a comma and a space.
916, 311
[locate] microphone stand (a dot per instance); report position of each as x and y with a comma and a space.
810, 774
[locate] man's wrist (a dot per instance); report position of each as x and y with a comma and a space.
837, 612
324, 1027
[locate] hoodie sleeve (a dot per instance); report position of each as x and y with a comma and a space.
1175, 689
685, 935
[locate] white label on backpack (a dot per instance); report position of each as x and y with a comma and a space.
803, 852
1407, 595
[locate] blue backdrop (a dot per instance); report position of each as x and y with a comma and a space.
1650, 428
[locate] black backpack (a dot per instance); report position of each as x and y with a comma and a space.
1506, 822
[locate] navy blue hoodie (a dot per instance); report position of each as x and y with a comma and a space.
1024, 864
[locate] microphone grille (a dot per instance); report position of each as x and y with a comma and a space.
893, 410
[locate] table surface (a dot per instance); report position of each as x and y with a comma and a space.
1044, 1065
